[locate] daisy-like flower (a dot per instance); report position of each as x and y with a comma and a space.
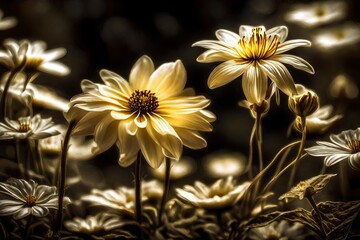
99, 223
336, 37
38, 59
178, 169
151, 113
27, 128
343, 146
222, 194
225, 164
6, 22
318, 122
278, 230
316, 13
21, 198
256, 54
343, 87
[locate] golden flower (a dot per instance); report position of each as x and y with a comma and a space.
256, 54
343, 87
179, 169
345, 145
318, 122
28, 127
339, 36
279, 230
7, 22
21, 198
305, 102
37, 58
152, 112
225, 164
316, 13
222, 194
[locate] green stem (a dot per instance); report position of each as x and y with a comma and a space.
62, 179
138, 207
166, 189
318, 217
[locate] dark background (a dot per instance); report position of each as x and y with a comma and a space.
114, 34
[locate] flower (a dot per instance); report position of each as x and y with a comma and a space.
336, 37
28, 127
343, 146
21, 198
101, 222
6, 23
223, 164
152, 113
223, 193
304, 103
278, 230
318, 122
178, 169
255, 53
343, 87
316, 13
37, 58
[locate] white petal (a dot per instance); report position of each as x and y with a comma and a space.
294, 61
254, 84
105, 133
225, 73
281, 31
55, 68
210, 56
151, 151
228, 37
115, 81
218, 46
333, 159
141, 72
54, 54
291, 44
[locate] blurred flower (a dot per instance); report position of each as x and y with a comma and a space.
101, 222
225, 164
343, 146
16, 90
28, 127
336, 37
256, 54
343, 87
318, 122
308, 187
152, 113
6, 22
21, 198
316, 13
280, 230
222, 194
48, 98
37, 58
179, 169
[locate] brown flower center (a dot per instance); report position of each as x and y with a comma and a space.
144, 101
354, 145
258, 46
24, 124
32, 63
30, 201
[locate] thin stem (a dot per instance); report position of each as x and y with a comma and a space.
318, 218
27, 227
166, 189
251, 152
18, 158
138, 207
62, 179
343, 180
259, 139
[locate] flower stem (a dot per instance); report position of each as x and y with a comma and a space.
18, 158
251, 153
166, 189
62, 179
27, 227
258, 134
318, 218
138, 207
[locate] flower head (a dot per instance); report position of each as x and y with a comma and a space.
343, 146
151, 113
6, 22
178, 169
343, 87
35, 55
21, 198
225, 164
316, 13
222, 194
257, 54
304, 103
28, 127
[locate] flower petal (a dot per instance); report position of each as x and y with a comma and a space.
291, 44
141, 72
294, 61
254, 84
151, 151
225, 73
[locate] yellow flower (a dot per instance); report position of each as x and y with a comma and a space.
256, 54
152, 112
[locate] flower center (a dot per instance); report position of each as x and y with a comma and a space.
258, 46
32, 63
30, 201
354, 145
24, 124
144, 101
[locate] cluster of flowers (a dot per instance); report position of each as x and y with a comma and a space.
151, 116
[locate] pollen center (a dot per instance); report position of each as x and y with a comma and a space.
30, 200
354, 145
144, 101
24, 124
258, 46
32, 63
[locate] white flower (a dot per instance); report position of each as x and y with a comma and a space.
316, 13
223, 164
222, 194
21, 198
27, 128
343, 87
257, 54
37, 58
6, 22
179, 169
343, 146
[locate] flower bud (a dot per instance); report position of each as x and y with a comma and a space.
304, 103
